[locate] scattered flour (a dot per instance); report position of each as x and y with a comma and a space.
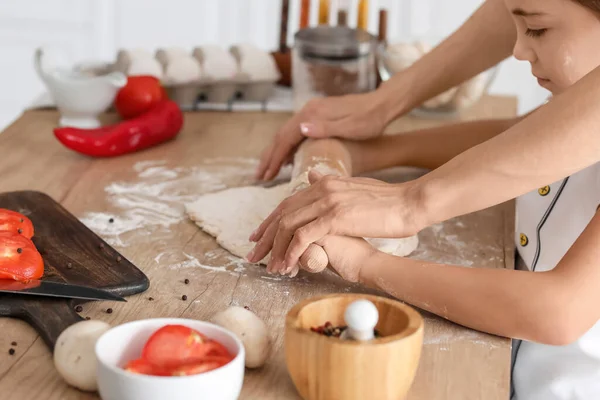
147, 206
154, 201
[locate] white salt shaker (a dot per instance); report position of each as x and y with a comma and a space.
361, 317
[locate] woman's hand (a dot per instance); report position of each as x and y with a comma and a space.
358, 207
355, 117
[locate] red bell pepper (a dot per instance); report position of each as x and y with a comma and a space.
161, 123
19, 258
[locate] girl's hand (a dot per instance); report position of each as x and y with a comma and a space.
358, 207
355, 117
348, 256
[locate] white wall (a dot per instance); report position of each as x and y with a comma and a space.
96, 29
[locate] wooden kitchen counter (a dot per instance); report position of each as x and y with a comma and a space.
216, 150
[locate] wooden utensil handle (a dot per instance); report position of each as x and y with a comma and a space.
51, 318
330, 157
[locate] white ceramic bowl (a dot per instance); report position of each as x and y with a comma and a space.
125, 342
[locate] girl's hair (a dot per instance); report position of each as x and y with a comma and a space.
593, 5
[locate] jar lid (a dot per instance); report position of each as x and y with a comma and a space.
334, 42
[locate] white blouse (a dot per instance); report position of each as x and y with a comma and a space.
549, 220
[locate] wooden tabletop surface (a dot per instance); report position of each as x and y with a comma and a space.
144, 192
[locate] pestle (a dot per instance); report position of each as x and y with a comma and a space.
361, 317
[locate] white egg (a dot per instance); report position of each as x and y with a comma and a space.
182, 70
75, 356
470, 92
423, 47
145, 66
217, 63
258, 64
406, 51
164, 56
250, 329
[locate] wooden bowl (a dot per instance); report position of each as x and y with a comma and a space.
328, 368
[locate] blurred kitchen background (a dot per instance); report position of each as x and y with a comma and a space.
87, 30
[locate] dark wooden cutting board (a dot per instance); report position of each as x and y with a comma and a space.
72, 253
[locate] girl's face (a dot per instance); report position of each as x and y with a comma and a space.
559, 38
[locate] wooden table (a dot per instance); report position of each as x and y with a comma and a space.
456, 363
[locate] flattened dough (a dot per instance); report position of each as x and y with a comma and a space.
232, 214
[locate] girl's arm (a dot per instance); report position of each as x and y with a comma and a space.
554, 307
426, 148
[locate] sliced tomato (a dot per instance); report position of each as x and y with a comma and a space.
141, 366
19, 259
217, 349
207, 364
12, 221
173, 345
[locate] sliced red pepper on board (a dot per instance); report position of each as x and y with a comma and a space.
19, 258
173, 345
161, 123
15, 222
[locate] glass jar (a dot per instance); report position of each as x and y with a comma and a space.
332, 61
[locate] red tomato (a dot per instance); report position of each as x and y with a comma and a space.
15, 222
207, 364
19, 259
216, 349
139, 95
141, 366
173, 345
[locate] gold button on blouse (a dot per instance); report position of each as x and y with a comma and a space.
524, 239
544, 190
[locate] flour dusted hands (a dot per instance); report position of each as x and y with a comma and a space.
355, 117
357, 207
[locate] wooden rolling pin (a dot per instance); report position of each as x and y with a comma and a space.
330, 157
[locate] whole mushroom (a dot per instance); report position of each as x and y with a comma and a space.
75, 356
250, 329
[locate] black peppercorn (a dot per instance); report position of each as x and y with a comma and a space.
79, 309
151, 298
186, 281
13, 344
184, 297
247, 308
111, 220
19, 250
20, 230
109, 310
11, 351
87, 318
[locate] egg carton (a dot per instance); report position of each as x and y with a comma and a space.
181, 74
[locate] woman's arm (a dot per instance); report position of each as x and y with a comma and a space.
558, 139
486, 38
426, 148
554, 307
